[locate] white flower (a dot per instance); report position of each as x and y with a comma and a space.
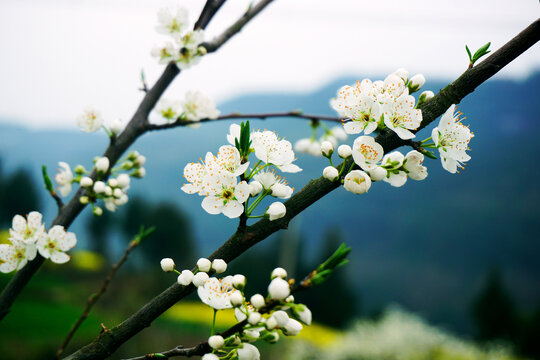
309, 146
255, 188
279, 272
229, 159
27, 230
210, 356
192, 39
123, 181
281, 318
327, 148
216, 341
185, 278
224, 194
97, 211
392, 162
236, 298
257, 301
117, 126
452, 138
377, 174
203, 264
254, 318
366, 152
169, 109
270, 181
199, 279
292, 328
271, 150
219, 266
276, 210
102, 164
279, 289
172, 21
242, 313
117, 193
167, 264
194, 173
215, 292
392, 88
303, 313
165, 52
110, 204
64, 178
187, 57
198, 106
330, 173
400, 116
86, 182
413, 164
344, 151
14, 256
56, 243
357, 182
90, 120
248, 352
100, 187
239, 281
234, 133
416, 82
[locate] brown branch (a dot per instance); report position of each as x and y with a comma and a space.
93, 299
134, 129
210, 9
262, 116
239, 242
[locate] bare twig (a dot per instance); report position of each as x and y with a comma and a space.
262, 116
210, 9
93, 299
239, 242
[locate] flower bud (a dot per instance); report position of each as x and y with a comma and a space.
272, 337
108, 190
100, 187
255, 188
204, 264
281, 318
141, 160
116, 126
402, 73
279, 272
123, 181
199, 279
425, 96
84, 200
86, 182
281, 191
416, 82
344, 151
219, 266
102, 164
236, 298
357, 182
257, 301
139, 173
239, 281
327, 149
254, 318
289, 299
113, 183
303, 313
210, 356
118, 193
292, 328
271, 323
79, 170
330, 173
185, 278
216, 341
201, 50
377, 174
276, 211
97, 211
279, 289
248, 352
167, 264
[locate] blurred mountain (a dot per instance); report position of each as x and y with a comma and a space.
427, 245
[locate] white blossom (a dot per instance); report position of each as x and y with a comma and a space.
257, 301
90, 120
215, 292
123, 181
330, 173
64, 178
279, 272
14, 256
86, 182
416, 82
27, 230
102, 164
292, 328
185, 278
327, 148
172, 21
210, 356
400, 116
402, 73
165, 52
255, 188
167, 264
276, 184
377, 174
224, 194
392, 162
303, 313
139, 173
357, 182
248, 352
99, 187
281, 318
366, 152
199, 279
413, 164
309, 146
194, 173
344, 151
271, 150
239, 281
203, 264
234, 133
198, 106
219, 266
192, 39
216, 341
425, 96
227, 158
254, 318
169, 109
276, 210
236, 298
117, 126
56, 243
279, 289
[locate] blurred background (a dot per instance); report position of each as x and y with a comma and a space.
445, 268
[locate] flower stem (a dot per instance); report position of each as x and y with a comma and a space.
257, 216
256, 202
251, 172
255, 171
213, 322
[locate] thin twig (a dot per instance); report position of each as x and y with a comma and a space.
262, 116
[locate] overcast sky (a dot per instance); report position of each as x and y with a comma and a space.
61, 56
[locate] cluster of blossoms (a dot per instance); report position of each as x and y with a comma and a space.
27, 236
388, 104
312, 145
184, 45
91, 121
113, 192
216, 178
263, 318
195, 107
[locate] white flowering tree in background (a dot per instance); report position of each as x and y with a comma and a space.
237, 175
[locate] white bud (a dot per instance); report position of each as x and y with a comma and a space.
279, 272
79, 169
426, 95
271, 323
281, 191
204, 264
303, 313
108, 190
86, 182
416, 82
141, 160
289, 299
344, 151
117, 126
167, 264
199, 279
248, 352
239, 281
122, 200
113, 183
216, 341
357, 182
276, 211
292, 328
123, 181
102, 164
185, 278
98, 211
139, 173
84, 200
254, 318
236, 298
327, 148
118, 193
279, 289
100, 187
281, 318
271, 337
402, 73
330, 173
257, 301
210, 356
255, 188
377, 174
219, 266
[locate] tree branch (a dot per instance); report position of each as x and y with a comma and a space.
239, 242
262, 116
210, 9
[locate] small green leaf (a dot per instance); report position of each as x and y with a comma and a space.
47, 179
429, 154
468, 52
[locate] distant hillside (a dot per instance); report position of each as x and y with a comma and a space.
427, 245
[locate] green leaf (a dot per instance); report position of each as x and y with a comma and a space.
47, 179
429, 154
468, 52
